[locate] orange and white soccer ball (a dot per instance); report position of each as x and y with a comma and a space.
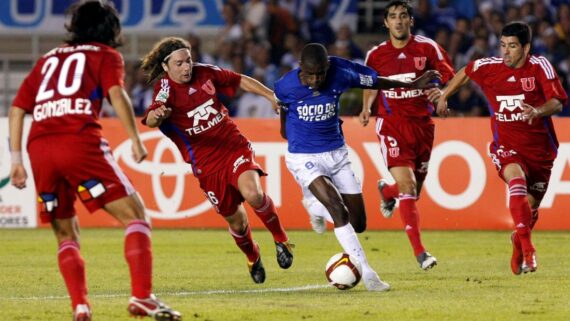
343, 271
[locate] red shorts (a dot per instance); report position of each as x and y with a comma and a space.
537, 171
221, 187
68, 165
406, 143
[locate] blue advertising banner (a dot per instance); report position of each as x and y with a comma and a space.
155, 16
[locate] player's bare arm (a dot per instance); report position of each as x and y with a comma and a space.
123, 107
453, 85
551, 107
251, 85
369, 95
156, 116
18, 175
425, 81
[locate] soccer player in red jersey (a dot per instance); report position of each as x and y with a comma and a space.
187, 110
69, 157
404, 126
523, 91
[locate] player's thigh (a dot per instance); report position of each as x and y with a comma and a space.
395, 141
326, 192
56, 197
94, 173
305, 168
218, 189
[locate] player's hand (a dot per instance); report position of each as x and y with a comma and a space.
442, 109
18, 176
433, 94
530, 113
139, 151
364, 117
276, 106
162, 112
427, 80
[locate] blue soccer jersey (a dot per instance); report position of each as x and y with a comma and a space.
312, 121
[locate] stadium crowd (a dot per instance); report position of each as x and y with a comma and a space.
263, 39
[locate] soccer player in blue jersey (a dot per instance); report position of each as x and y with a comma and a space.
317, 154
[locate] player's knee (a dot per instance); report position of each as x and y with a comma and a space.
65, 234
253, 197
239, 226
408, 187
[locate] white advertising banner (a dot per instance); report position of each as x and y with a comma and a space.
17, 207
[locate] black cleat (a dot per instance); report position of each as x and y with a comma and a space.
257, 271
284, 254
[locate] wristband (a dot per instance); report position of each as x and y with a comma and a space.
16, 158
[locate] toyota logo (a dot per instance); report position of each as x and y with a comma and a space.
168, 207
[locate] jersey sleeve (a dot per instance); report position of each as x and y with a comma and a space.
160, 94
360, 76
442, 63
26, 97
112, 71
226, 81
549, 81
476, 70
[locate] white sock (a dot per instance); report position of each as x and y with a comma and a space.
351, 245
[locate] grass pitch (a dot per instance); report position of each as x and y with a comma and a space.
204, 275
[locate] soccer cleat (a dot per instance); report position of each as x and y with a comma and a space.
517, 257
529, 262
257, 271
386, 206
152, 307
318, 223
426, 261
373, 283
284, 254
82, 313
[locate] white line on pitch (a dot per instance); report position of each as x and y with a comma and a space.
188, 293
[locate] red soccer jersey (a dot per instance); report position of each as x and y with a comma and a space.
64, 90
506, 89
199, 124
419, 55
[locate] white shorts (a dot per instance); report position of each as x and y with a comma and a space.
334, 165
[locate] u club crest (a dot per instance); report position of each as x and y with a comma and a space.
420, 63
528, 84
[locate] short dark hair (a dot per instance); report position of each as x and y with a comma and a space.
314, 54
399, 3
94, 21
518, 29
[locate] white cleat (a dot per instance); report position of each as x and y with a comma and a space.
373, 283
82, 313
386, 206
426, 261
318, 223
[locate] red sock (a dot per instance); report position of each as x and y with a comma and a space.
246, 244
533, 217
72, 268
138, 254
520, 211
391, 191
268, 215
410, 218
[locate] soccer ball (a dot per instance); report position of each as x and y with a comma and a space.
343, 271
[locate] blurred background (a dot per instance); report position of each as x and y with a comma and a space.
263, 38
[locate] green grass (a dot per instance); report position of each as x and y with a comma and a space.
202, 274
